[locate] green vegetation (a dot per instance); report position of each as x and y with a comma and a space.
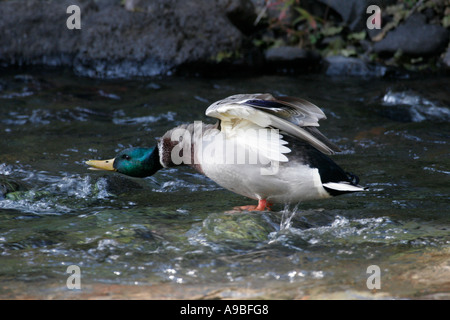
297, 23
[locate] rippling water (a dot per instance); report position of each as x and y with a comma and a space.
173, 232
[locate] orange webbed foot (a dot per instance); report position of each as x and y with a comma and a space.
263, 205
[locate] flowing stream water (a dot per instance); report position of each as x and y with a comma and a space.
172, 236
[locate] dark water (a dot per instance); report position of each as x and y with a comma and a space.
171, 235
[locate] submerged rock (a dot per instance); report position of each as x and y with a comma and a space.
27, 195
7, 186
240, 227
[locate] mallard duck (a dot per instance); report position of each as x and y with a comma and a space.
263, 147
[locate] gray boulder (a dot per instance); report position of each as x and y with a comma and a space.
414, 37
141, 38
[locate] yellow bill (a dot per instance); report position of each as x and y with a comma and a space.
101, 164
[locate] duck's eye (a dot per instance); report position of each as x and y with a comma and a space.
126, 157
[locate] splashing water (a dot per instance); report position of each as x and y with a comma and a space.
287, 216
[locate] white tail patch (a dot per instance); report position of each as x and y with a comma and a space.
343, 186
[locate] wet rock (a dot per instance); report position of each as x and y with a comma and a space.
8, 185
431, 274
414, 37
27, 195
240, 227
153, 38
348, 66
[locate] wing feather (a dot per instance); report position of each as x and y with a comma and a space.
294, 116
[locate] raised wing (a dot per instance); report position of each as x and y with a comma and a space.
294, 116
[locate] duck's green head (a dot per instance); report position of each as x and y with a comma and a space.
134, 162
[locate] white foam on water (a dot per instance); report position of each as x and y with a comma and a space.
170, 116
421, 107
